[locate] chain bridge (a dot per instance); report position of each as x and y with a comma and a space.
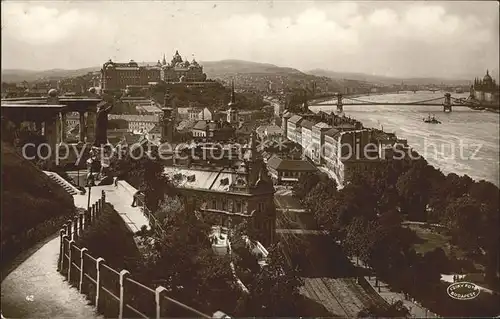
446, 101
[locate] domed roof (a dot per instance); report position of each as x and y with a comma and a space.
487, 77
52, 93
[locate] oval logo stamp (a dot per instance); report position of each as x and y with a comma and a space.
463, 290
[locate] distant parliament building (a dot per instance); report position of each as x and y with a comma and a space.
485, 90
120, 76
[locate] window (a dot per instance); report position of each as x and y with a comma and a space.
238, 206
214, 204
262, 207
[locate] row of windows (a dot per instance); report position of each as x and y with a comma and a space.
291, 174
239, 206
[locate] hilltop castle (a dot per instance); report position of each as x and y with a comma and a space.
119, 76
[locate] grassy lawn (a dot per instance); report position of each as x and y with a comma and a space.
430, 239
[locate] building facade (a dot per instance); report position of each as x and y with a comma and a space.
138, 123
485, 90
237, 190
117, 76
181, 71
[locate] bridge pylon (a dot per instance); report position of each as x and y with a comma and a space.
447, 103
340, 105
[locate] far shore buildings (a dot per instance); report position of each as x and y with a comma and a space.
116, 76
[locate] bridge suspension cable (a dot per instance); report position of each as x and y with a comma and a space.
375, 103
429, 100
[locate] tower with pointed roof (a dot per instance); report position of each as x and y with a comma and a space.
232, 112
164, 60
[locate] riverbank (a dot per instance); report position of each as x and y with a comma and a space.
465, 143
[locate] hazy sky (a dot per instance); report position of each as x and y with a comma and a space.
419, 39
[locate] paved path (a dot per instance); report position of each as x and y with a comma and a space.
120, 197
36, 290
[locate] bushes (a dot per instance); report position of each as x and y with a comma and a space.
33, 206
110, 238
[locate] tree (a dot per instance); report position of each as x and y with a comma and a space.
357, 237
464, 218
324, 189
273, 291
305, 184
413, 189
395, 310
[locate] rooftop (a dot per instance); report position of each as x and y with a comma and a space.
278, 163
134, 118
218, 180
295, 119
307, 124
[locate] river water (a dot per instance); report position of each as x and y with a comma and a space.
467, 141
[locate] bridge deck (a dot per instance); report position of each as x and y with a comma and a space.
386, 103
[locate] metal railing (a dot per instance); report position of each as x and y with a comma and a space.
105, 285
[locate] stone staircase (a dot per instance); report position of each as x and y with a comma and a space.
72, 190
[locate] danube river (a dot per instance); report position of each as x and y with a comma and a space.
467, 141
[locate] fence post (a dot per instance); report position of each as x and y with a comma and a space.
71, 242
103, 196
98, 281
87, 218
94, 211
123, 274
76, 232
82, 255
158, 292
65, 237
68, 228
80, 216
62, 232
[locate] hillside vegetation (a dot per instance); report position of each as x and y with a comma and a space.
33, 206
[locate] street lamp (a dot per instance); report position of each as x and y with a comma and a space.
90, 181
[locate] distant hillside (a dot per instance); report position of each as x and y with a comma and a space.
246, 74
216, 69
213, 69
17, 75
385, 80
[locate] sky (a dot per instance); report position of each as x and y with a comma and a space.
402, 39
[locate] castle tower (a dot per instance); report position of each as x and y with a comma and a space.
232, 112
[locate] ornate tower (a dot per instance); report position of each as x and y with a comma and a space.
232, 112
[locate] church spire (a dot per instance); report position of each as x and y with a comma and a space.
233, 100
164, 61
